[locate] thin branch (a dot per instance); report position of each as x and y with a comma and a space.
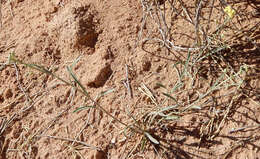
71, 140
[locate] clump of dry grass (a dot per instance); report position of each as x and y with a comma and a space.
213, 38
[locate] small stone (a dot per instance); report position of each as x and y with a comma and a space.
113, 141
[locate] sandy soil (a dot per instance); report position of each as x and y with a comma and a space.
103, 37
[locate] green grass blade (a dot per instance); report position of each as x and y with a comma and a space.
82, 108
77, 81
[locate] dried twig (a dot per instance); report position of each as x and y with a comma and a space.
127, 83
20, 84
71, 140
243, 128
5, 123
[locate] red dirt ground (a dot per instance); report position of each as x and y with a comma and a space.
104, 36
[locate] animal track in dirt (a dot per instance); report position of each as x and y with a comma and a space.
86, 33
59, 33
102, 76
76, 28
97, 70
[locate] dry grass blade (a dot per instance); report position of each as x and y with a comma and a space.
5, 123
72, 140
144, 89
28, 99
243, 128
127, 84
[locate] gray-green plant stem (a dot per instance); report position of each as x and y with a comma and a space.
82, 90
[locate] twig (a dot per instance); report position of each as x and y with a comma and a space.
186, 11
197, 21
71, 140
170, 45
5, 123
20, 84
224, 118
128, 86
243, 128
